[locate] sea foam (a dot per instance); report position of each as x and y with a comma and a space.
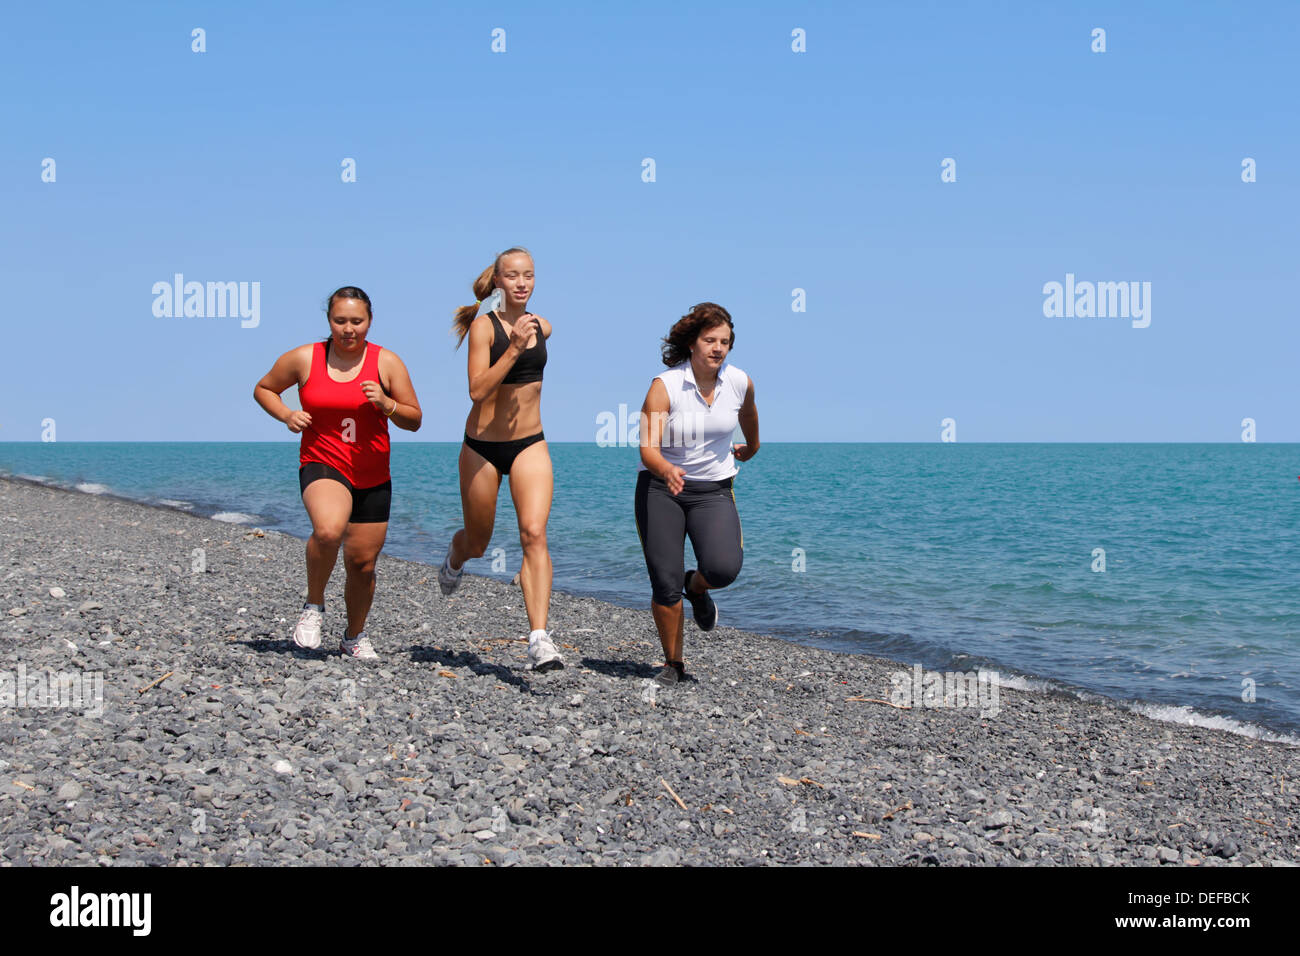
234, 517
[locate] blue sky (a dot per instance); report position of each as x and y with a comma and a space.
774, 171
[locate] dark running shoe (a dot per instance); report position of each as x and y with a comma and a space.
674, 672
703, 609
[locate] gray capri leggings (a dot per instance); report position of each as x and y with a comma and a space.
705, 510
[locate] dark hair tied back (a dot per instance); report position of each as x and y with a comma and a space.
349, 292
483, 286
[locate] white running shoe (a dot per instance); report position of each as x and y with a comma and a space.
448, 579
542, 655
306, 633
358, 648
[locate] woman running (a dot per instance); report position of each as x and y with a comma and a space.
687, 465
503, 436
349, 389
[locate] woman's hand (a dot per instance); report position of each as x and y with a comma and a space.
674, 478
375, 392
297, 421
744, 452
526, 326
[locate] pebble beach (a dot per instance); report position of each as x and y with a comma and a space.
218, 742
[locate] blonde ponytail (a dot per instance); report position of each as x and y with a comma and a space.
483, 287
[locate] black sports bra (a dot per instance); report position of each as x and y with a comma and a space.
528, 367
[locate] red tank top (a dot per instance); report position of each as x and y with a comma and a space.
346, 432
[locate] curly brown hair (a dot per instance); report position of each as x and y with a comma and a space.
707, 315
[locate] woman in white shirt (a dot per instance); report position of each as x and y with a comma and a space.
687, 465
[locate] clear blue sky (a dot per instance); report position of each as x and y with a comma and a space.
775, 170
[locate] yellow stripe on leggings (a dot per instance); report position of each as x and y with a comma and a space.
738, 521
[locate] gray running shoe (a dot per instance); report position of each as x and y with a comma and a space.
448, 579
673, 673
306, 633
358, 648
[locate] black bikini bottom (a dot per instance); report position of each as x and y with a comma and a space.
502, 454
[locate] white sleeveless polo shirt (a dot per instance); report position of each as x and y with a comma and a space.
697, 437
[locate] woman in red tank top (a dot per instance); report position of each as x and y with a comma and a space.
349, 389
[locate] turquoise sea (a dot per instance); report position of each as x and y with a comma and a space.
953, 556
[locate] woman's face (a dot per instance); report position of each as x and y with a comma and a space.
712, 345
349, 322
515, 278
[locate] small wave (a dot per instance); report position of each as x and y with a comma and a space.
234, 517
172, 503
92, 488
40, 479
1182, 714
1171, 713
1016, 682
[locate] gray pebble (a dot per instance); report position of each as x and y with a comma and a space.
70, 791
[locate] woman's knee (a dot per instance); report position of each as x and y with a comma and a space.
721, 571
328, 536
360, 566
666, 590
532, 535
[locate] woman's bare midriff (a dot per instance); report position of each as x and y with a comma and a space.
512, 411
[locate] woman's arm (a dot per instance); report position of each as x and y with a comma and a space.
287, 370
398, 400
484, 377
747, 418
654, 415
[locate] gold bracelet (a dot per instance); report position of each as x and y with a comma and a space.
390, 414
